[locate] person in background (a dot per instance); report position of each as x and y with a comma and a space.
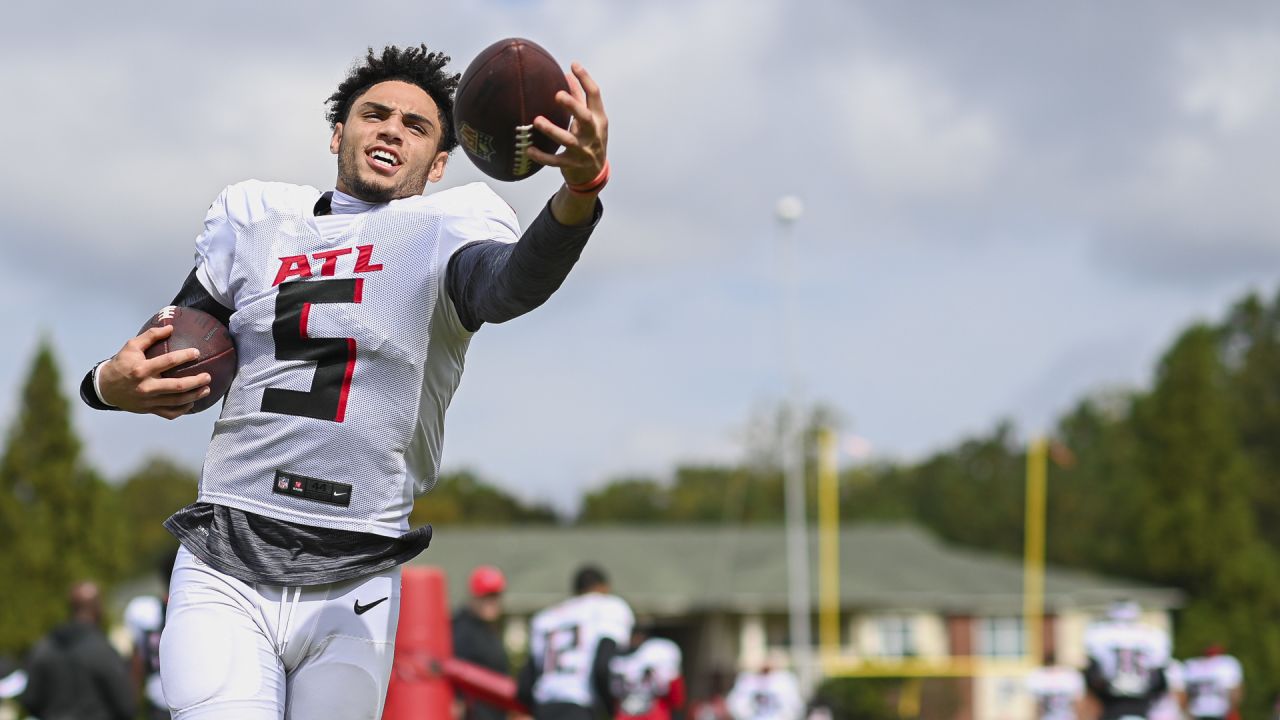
1169, 706
478, 639
1215, 685
1057, 689
771, 694
74, 672
571, 645
144, 616
1126, 663
650, 685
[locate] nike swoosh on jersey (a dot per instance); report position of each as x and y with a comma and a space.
362, 609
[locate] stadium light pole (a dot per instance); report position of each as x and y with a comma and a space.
788, 212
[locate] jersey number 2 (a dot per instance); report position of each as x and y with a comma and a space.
335, 358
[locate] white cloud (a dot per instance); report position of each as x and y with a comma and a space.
904, 133
1232, 77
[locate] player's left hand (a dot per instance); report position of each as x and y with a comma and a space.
586, 140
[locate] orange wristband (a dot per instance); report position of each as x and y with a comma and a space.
594, 185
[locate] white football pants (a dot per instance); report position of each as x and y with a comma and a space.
237, 651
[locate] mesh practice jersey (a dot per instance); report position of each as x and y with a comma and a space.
349, 349
1129, 655
563, 640
1209, 682
1056, 690
646, 674
773, 695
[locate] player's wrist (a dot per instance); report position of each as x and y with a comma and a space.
593, 186
97, 384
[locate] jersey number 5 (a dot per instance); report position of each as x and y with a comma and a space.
335, 358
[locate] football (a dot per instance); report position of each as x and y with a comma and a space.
510, 83
197, 329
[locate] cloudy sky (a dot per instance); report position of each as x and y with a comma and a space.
1007, 205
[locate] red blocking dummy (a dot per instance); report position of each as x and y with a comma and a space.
418, 690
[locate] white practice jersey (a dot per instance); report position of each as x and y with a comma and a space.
765, 696
563, 641
646, 674
1129, 655
349, 348
1209, 682
1056, 690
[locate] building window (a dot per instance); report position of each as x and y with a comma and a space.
896, 638
999, 637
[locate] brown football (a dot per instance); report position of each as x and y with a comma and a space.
510, 83
198, 329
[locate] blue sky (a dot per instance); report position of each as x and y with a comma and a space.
1007, 205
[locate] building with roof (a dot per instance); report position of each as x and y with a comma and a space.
721, 593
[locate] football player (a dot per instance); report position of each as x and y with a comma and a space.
650, 684
1215, 685
1126, 663
571, 646
773, 693
351, 310
1057, 689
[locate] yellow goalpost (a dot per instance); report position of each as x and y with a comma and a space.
835, 663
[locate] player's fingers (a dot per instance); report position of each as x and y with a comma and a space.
149, 337
185, 398
163, 363
594, 99
575, 87
163, 386
173, 413
555, 132
545, 158
581, 113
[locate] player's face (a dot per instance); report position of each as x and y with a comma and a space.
388, 146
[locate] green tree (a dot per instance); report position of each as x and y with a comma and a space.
463, 498
58, 519
148, 496
629, 500
1198, 529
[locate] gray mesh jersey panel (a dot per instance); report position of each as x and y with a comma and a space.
349, 352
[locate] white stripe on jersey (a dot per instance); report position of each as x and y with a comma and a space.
349, 349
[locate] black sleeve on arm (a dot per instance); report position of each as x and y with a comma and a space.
493, 282
525, 682
602, 676
192, 295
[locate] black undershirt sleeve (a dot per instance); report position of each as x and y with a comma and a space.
525, 681
193, 295
493, 282
602, 676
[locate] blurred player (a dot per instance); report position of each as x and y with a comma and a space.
352, 311
650, 683
1215, 685
571, 646
144, 617
1126, 663
771, 694
1057, 690
477, 639
1169, 706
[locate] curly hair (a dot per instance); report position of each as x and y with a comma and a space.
414, 65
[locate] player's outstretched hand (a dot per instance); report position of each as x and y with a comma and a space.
132, 381
587, 139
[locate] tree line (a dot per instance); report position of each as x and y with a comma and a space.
1176, 484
